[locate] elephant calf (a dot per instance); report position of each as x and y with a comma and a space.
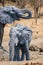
20, 37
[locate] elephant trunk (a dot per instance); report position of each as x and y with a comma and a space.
26, 14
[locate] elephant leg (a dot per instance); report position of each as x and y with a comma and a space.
11, 52
22, 56
27, 42
1, 32
27, 55
27, 51
16, 55
22, 50
18, 52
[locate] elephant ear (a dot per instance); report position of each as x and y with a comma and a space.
26, 14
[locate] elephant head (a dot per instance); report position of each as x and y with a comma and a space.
24, 13
19, 12
9, 14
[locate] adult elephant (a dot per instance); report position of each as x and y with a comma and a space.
20, 38
9, 14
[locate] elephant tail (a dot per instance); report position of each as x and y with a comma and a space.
26, 14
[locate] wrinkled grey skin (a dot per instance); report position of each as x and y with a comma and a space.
20, 38
9, 14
